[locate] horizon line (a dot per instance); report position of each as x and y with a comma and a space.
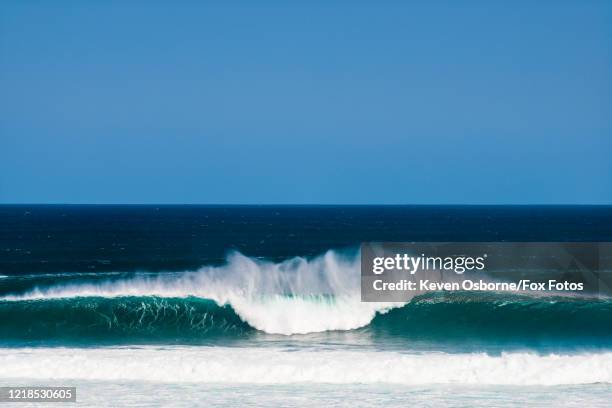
323, 204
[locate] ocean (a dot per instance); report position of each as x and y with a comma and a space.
260, 306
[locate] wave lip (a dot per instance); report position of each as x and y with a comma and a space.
277, 366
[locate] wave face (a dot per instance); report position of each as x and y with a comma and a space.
277, 366
248, 297
433, 317
121, 319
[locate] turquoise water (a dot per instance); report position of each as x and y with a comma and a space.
461, 321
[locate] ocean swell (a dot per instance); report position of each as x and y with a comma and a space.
459, 317
298, 296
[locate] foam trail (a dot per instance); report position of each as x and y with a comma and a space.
293, 297
276, 366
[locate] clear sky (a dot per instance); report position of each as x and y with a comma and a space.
306, 102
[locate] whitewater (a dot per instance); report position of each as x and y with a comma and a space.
297, 296
285, 366
293, 298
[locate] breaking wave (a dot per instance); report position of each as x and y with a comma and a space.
299, 296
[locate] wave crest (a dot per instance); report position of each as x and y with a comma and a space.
296, 296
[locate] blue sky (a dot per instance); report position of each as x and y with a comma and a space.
324, 102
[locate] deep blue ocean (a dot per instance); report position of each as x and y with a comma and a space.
232, 295
96, 238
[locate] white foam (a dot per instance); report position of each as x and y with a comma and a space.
291, 297
276, 366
